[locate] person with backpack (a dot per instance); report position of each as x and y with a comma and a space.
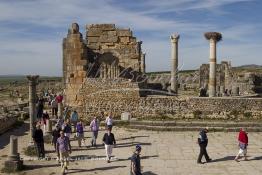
135, 162
80, 132
203, 141
74, 119
242, 143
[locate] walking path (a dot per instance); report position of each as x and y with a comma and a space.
163, 153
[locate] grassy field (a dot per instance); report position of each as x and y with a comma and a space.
19, 79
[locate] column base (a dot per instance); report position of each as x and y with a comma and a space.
13, 166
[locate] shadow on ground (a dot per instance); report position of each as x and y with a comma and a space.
17, 131
73, 171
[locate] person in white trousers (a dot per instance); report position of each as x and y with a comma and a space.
109, 141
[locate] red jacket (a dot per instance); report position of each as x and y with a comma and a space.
242, 137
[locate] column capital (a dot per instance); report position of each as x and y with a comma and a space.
32, 77
139, 42
174, 37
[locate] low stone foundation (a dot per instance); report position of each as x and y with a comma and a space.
6, 122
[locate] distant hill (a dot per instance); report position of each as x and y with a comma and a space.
250, 66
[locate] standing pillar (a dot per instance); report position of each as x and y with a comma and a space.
143, 63
213, 38
13, 154
49, 127
139, 52
174, 62
32, 79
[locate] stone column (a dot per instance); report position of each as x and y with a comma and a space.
60, 110
139, 52
49, 127
13, 162
32, 79
13, 154
212, 69
213, 38
143, 63
174, 62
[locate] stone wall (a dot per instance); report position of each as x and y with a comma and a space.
6, 122
121, 95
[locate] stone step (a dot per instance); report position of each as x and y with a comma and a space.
193, 128
197, 123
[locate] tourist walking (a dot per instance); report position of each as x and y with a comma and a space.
63, 146
45, 118
242, 143
109, 141
55, 136
38, 138
135, 162
203, 141
40, 108
54, 106
109, 121
94, 126
74, 119
80, 132
66, 127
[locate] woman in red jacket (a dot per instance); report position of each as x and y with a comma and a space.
243, 143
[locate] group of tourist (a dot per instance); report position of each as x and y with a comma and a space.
203, 142
68, 124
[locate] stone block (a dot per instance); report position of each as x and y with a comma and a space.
126, 116
124, 32
111, 33
13, 165
94, 32
92, 39
102, 26
124, 39
93, 46
108, 39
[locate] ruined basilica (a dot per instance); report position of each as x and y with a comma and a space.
105, 71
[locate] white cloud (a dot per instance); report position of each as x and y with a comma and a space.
30, 54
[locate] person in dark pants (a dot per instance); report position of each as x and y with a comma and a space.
203, 141
40, 108
38, 138
135, 162
55, 136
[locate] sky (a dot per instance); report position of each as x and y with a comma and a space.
31, 31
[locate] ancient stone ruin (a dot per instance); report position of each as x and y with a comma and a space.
105, 71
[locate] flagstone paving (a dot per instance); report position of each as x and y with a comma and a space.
163, 153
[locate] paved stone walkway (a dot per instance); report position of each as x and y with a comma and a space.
163, 153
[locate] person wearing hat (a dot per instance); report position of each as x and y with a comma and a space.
203, 141
109, 141
135, 162
55, 136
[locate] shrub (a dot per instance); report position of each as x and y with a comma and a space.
197, 113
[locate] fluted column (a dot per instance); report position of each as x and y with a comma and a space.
174, 62
32, 79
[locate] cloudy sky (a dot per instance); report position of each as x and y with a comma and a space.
31, 31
